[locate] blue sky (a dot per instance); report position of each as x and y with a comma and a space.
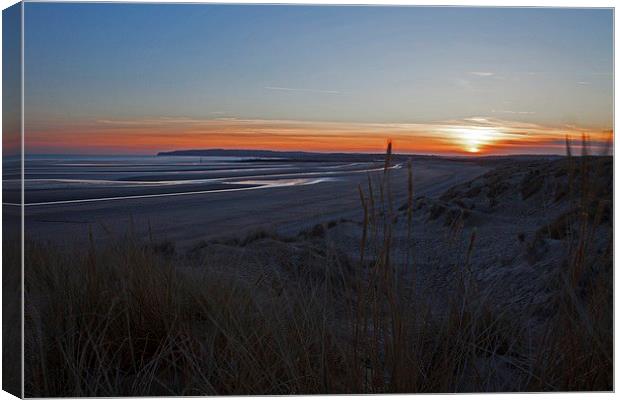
11, 74
387, 65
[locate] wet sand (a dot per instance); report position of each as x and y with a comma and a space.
285, 197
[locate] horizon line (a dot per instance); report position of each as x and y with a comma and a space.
378, 153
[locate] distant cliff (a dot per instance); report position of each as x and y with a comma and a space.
275, 155
239, 153
272, 155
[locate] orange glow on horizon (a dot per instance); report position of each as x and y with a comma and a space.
474, 136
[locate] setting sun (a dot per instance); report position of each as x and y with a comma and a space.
474, 139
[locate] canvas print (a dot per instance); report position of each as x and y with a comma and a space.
221, 199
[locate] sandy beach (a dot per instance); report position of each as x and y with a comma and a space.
187, 206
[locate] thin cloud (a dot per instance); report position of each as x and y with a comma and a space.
482, 73
290, 89
513, 112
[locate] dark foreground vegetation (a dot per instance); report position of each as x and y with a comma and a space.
132, 318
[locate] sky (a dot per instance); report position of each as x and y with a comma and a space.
138, 79
11, 79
